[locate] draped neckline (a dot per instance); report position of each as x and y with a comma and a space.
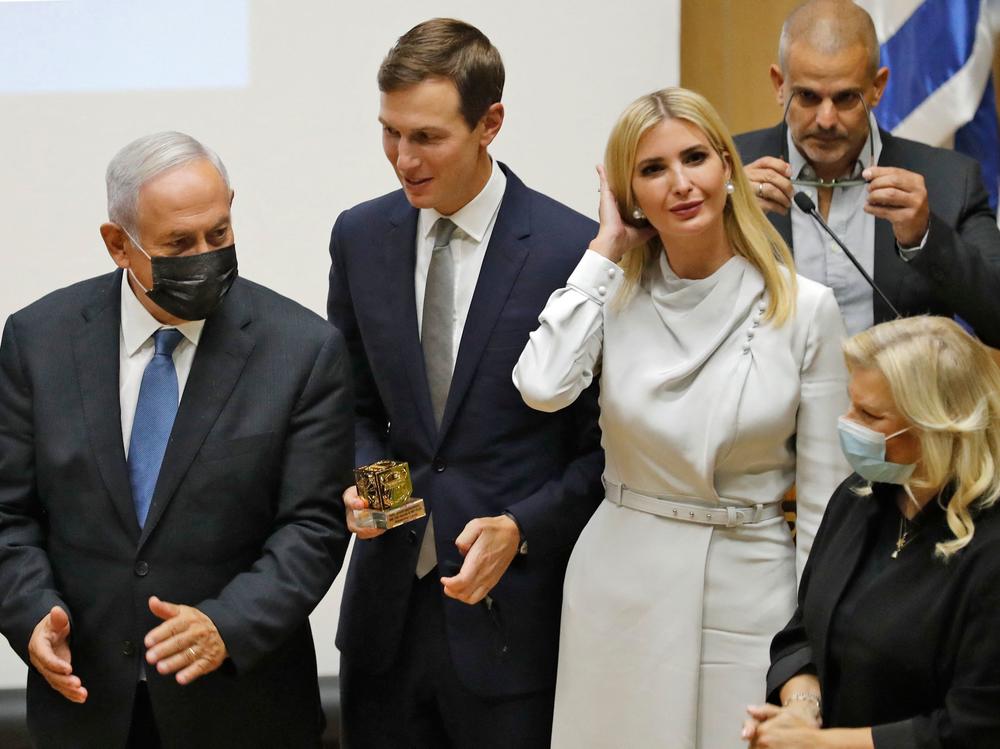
699, 315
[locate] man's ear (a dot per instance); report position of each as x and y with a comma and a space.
114, 239
878, 86
491, 124
778, 83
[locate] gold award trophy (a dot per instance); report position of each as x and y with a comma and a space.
387, 488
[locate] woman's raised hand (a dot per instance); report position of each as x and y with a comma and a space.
615, 237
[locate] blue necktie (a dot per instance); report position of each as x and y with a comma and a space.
154, 418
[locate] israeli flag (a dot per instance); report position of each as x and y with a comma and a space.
940, 91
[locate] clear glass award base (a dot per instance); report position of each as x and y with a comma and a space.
385, 519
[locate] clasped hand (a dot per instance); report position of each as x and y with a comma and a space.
773, 727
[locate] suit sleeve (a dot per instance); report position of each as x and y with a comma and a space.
963, 262
820, 465
371, 420
27, 586
259, 608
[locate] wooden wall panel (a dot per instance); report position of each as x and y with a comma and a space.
727, 47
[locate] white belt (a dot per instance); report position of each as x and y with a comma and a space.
669, 507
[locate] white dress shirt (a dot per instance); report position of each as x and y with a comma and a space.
135, 351
474, 222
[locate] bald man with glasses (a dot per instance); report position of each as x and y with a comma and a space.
917, 217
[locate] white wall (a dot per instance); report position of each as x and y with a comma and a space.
302, 142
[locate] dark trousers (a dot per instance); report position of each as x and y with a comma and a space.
420, 702
142, 734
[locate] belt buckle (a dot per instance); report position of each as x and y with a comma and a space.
736, 516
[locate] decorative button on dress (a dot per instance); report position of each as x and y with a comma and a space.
667, 621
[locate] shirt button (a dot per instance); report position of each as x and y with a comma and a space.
602, 290
833, 247
141, 569
611, 272
128, 648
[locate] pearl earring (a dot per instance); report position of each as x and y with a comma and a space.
730, 187
638, 215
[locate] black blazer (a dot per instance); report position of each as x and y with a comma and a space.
492, 453
927, 629
246, 521
958, 271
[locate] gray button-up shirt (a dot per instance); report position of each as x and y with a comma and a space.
818, 257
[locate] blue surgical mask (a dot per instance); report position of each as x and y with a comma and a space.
864, 449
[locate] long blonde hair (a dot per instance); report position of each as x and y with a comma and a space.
945, 383
747, 229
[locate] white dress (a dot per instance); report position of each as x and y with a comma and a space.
666, 624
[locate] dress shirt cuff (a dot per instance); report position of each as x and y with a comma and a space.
908, 253
595, 276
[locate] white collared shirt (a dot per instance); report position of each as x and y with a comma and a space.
818, 257
475, 221
135, 351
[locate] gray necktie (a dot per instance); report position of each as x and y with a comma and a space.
438, 323
437, 331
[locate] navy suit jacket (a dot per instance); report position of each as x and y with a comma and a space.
492, 453
958, 271
246, 521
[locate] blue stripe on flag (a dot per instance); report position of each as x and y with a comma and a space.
933, 45
980, 139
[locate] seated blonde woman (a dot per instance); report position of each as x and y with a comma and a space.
895, 640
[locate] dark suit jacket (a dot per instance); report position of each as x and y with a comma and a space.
922, 661
246, 521
492, 453
958, 271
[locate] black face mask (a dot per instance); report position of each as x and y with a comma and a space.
191, 286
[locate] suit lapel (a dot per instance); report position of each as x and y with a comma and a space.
223, 350
505, 256
888, 271
783, 223
399, 262
773, 147
96, 352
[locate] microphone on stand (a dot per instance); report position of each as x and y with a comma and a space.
805, 204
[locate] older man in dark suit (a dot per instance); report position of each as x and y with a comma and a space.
917, 217
449, 627
174, 441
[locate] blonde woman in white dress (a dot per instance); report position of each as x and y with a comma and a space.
721, 383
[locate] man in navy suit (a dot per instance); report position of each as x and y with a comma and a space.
449, 625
